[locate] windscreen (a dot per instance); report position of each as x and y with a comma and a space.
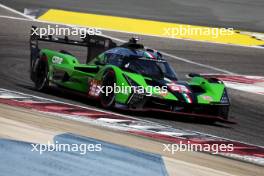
147, 67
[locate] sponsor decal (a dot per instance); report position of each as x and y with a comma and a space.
207, 98
56, 60
94, 89
178, 88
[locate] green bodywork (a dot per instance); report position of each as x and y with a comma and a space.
79, 79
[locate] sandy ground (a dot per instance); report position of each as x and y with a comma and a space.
32, 126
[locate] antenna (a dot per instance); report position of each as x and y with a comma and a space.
132, 44
133, 40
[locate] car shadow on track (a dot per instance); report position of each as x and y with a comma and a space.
146, 115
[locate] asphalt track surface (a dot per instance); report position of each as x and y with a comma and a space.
240, 14
247, 108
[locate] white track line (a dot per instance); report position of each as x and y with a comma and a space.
15, 18
198, 64
15, 11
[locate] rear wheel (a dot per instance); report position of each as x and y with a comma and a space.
107, 97
41, 73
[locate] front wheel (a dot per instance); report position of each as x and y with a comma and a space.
107, 96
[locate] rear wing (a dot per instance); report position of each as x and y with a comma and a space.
95, 44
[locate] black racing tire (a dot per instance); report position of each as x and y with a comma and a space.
41, 73
109, 79
223, 112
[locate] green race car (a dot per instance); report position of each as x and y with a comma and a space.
129, 76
